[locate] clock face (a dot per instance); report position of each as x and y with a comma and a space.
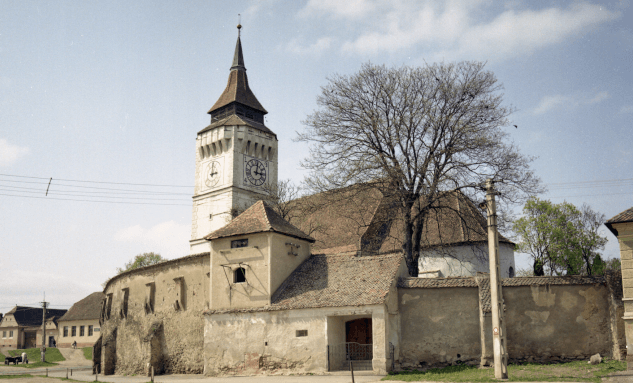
255, 172
213, 174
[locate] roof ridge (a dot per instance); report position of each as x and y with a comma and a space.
266, 207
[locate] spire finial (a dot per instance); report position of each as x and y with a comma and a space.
239, 24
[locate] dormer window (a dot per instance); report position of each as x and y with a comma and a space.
239, 275
239, 243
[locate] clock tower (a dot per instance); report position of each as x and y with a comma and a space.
236, 157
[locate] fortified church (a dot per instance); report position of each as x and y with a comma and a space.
262, 295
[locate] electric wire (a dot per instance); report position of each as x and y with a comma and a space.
96, 182
89, 200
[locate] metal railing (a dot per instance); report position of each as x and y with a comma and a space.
340, 355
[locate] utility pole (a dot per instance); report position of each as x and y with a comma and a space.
44, 304
496, 297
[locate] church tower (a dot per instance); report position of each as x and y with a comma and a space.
236, 157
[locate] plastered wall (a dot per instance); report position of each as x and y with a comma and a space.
557, 322
267, 263
267, 342
438, 326
167, 336
544, 323
82, 341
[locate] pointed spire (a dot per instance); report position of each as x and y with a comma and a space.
237, 89
238, 58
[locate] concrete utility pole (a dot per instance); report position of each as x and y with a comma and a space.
44, 304
496, 297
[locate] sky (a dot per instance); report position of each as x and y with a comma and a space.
102, 95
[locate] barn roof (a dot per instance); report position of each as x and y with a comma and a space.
87, 308
32, 316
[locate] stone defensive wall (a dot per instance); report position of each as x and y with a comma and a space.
448, 321
152, 316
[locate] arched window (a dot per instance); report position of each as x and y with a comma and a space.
511, 272
239, 275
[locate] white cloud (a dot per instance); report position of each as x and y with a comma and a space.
601, 96
550, 102
10, 153
169, 238
259, 6
626, 109
451, 29
319, 46
352, 9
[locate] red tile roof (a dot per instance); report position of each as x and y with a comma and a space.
87, 308
625, 216
258, 218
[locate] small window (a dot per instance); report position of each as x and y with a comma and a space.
73, 331
89, 330
239, 243
210, 217
108, 306
11, 334
302, 333
239, 276
123, 309
511, 272
4, 334
81, 330
65, 331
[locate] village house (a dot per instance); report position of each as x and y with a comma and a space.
81, 323
327, 286
21, 327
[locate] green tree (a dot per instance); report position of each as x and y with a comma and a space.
415, 134
561, 238
141, 260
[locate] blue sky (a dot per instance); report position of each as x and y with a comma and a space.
115, 91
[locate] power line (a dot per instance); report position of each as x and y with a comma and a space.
97, 182
584, 182
92, 187
592, 195
100, 196
88, 200
96, 192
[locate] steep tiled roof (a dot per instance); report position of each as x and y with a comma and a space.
258, 218
361, 216
32, 316
237, 89
338, 218
453, 219
87, 308
625, 216
237, 120
334, 281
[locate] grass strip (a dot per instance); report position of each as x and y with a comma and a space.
578, 371
87, 352
52, 355
16, 376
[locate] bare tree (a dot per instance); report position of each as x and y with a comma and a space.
280, 197
415, 133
